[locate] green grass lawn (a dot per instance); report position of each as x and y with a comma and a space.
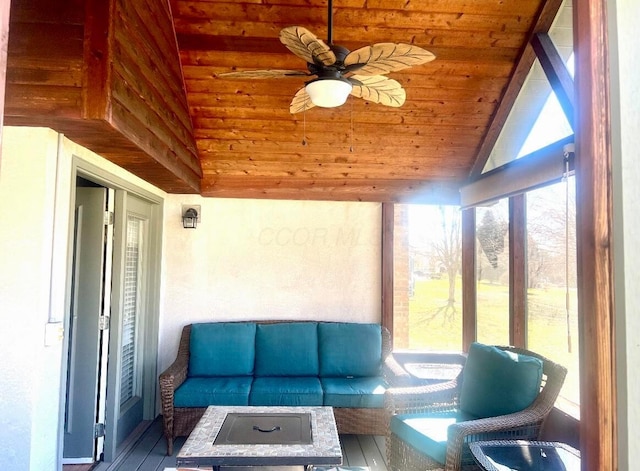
433, 325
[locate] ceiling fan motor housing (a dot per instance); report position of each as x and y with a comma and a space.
340, 52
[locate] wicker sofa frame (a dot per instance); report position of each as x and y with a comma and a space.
524, 425
180, 421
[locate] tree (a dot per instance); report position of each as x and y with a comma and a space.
446, 254
548, 220
536, 264
490, 234
449, 249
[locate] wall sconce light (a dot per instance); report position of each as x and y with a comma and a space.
189, 217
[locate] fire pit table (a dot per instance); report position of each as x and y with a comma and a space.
263, 436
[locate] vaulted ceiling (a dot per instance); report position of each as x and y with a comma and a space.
249, 142
233, 137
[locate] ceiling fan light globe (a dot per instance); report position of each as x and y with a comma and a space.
328, 93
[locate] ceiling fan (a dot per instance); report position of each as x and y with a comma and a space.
341, 72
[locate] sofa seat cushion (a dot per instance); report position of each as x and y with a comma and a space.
222, 349
426, 432
360, 392
286, 391
287, 349
497, 382
349, 349
203, 392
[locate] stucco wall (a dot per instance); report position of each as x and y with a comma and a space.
29, 398
35, 210
266, 259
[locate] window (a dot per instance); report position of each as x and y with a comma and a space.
427, 292
535, 121
129, 381
427, 285
536, 118
492, 273
552, 314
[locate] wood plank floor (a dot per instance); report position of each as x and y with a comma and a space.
148, 453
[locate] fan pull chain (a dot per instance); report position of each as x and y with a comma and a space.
351, 128
304, 123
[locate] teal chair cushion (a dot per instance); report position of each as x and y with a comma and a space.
349, 349
287, 349
222, 349
365, 392
496, 382
203, 392
285, 391
426, 432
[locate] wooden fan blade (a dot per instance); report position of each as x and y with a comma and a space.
300, 102
382, 58
306, 45
264, 74
378, 89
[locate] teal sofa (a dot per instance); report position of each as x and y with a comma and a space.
347, 366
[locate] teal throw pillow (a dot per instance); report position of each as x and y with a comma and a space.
497, 382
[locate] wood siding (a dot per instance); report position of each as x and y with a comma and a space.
45, 60
106, 74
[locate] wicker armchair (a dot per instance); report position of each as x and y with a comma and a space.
444, 399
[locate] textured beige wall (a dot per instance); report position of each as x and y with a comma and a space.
267, 259
30, 371
624, 17
35, 213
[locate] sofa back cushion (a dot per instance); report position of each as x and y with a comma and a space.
496, 382
222, 349
349, 349
287, 349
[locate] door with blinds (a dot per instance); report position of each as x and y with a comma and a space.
129, 316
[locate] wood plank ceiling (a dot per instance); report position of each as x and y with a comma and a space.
251, 146
139, 82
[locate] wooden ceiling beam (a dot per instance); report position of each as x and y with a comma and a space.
556, 71
382, 190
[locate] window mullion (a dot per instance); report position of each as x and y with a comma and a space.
469, 290
517, 271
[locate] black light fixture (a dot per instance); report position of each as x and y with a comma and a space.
190, 219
